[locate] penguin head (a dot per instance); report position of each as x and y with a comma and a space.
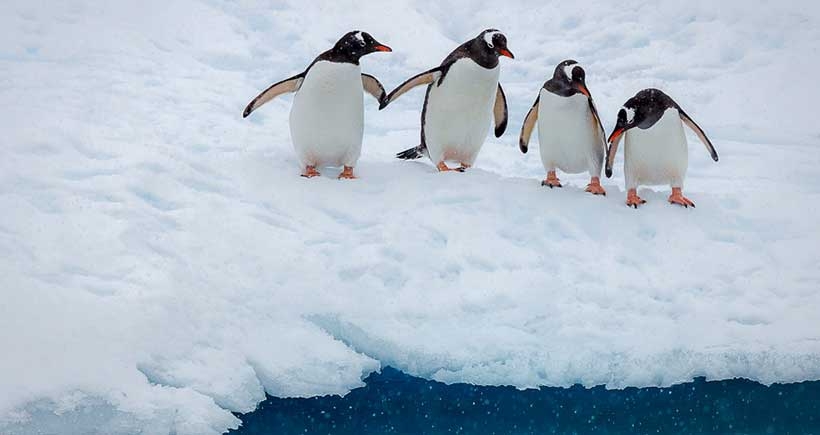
628, 117
642, 110
492, 42
573, 75
353, 45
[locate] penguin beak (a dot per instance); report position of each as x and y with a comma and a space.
505, 52
582, 88
381, 47
616, 134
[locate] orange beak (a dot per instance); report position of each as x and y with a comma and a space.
505, 52
583, 89
381, 47
615, 135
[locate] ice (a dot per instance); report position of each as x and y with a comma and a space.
164, 265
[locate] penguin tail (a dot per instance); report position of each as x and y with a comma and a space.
413, 153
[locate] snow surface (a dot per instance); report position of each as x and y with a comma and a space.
163, 264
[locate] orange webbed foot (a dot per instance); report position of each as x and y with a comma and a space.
633, 200
594, 187
310, 172
442, 167
677, 198
347, 173
551, 180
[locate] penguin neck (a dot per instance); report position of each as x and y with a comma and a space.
559, 86
338, 55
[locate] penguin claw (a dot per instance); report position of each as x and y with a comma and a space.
677, 198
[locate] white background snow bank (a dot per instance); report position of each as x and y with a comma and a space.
163, 264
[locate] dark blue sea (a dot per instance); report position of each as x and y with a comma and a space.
396, 403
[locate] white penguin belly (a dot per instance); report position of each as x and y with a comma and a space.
327, 117
568, 137
458, 113
657, 155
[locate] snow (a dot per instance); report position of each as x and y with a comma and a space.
163, 264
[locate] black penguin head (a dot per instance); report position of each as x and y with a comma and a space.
570, 73
643, 111
492, 43
353, 45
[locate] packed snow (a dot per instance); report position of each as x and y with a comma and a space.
164, 265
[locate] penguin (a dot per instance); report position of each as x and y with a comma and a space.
462, 95
655, 149
570, 132
327, 115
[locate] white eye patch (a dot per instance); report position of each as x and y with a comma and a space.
359, 37
630, 114
568, 70
488, 38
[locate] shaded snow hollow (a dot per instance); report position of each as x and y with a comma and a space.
163, 264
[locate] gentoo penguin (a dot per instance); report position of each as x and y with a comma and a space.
327, 116
570, 132
462, 94
656, 151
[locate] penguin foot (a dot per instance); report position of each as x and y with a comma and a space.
677, 198
444, 168
347, 173
310, 172
594, 187
633, 200
551, 180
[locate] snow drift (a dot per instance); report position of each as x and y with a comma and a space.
163, 264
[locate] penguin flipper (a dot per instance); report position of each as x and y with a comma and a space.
597, 121
291, 84
699, 131
500, 111
598, 126
424, 78
529, 125
373, 87
413, 153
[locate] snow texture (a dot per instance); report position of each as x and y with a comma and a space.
163, 264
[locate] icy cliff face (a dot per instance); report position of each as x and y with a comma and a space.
163, 264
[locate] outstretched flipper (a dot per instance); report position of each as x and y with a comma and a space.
373, 87
696, 128
288, 85
529, 125
500, 112
424, 78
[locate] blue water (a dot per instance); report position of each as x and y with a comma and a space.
395, 403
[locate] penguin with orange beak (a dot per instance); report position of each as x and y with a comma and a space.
463, 94
655, 149
327, 116
570, 133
